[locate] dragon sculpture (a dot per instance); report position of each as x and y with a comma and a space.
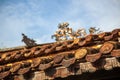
29, 42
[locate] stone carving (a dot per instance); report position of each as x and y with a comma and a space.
111, 63
63, 25
65, 33
87, 67
93, 30
119, 39
75, 34
29, 42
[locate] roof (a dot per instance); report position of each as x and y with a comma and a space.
61, 59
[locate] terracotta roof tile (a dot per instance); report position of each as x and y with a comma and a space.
88, 54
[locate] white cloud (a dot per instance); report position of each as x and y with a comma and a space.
44, 39
33, 19
17, 19
102, 13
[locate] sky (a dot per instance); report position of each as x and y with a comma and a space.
39, 19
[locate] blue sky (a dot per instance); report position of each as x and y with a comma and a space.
38, 19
